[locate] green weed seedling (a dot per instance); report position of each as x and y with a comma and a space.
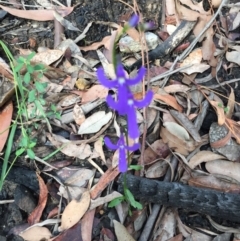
226, 109
127, 195
29, 92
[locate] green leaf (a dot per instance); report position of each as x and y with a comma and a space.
53, 107
30, 153
138, 205
129, 196
19, 67
115, 202
32, 144
42, 101
30, 56
135, 167
27, 78
24, 141
38, 67
40, 86
20, 151
131, 199
31, 96
21, 60
30, 68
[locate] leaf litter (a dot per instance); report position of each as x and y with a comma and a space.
183, 131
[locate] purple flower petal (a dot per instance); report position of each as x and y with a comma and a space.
138, 77
144, 102
123, 93
122, 165
134, 20
105, 81
120, 72
133, 130
109, 144
112, 103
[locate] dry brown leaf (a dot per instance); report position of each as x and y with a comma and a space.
74, 211
95, 122
187, 124
48, 57
68, 148
78, 114
214, 183
5, 120
96, 45
5, 70
169, 100
68, 100
87, 225
97, 91
196, 7
177, 144
101, 200
157, 150
36, 233
234, 128
167, 225
203, 156
233, 57
227, 168
157, 169
36, 214
219, 111
230, 104
106, 41
38, 15
98, 145
105, 179
176, 88
121, 232
177, 130
195, 57
170, 7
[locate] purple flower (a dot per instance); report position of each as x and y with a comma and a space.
123, 166
133, 20
125, 103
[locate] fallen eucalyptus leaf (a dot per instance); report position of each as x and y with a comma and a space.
95, 122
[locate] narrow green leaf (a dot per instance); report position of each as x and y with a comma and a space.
21, 60
42, 101
129, 196
32, 144
30, 56
30, 68
30, 153
27, 78
115, 202
40, 86
20, 151
38, 67
31, 96
135, 167
19, 67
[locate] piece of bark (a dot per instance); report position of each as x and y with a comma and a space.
210, 202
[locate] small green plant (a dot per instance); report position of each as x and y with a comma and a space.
226, 109
29, 90
127, 195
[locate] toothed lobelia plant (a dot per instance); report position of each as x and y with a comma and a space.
125, 105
